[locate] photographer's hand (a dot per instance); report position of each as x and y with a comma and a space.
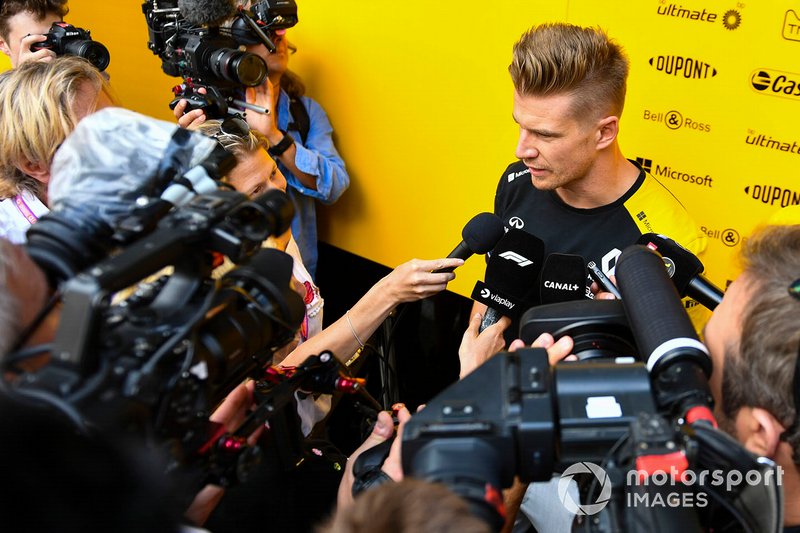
556, 351
264, 96
267, 95
25, 53
382, 431
193, 118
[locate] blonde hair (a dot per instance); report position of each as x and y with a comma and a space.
37, 112
560, 58
238, 145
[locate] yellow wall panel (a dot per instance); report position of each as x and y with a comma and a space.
420, 99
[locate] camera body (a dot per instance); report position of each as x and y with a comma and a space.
66, 39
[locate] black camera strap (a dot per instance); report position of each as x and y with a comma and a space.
301, 123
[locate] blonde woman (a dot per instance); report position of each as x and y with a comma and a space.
40, 104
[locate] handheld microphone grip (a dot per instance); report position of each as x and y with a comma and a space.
678, 362
704, 292
491, 316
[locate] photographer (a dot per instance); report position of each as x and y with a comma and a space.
25, 22
313, 167
40, 104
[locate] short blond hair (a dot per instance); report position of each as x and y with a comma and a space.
238, 145
559, 58
37, 101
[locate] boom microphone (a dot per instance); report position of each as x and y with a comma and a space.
479, 236
685, 269
563, 278
678, 362
511, 276
206, 12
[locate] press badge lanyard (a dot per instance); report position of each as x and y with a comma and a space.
24, 210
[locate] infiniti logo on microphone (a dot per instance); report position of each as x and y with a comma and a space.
516, 258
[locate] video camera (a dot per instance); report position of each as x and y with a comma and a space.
197, 47
66, 39
148, 352
636, 426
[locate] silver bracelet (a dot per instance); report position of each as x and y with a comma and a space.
352, 329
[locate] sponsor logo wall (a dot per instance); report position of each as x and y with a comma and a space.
712, 97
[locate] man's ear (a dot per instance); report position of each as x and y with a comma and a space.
4, 46
759, 431
37, 171
607, 130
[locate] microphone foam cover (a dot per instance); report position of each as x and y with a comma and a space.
682, 265
515, 264
482, 232
563, 278
206, 12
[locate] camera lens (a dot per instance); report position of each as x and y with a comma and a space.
94, 52
238, 67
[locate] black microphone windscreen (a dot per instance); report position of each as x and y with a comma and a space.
563, 278
482, 232
682, 265
511, 276
206, 12
515, 264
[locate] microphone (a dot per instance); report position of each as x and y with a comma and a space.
480, 235
677, 361
563, 278
206, 12
685, 269
511, 275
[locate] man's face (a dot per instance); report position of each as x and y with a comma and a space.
20, 25
723, 330
557, 148
256, 173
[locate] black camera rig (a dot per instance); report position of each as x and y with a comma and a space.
150, 353
207, 56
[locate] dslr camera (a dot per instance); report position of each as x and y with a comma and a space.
205, 52
66, 39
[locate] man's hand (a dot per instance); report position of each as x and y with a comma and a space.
264, 96
478, 346
381, 432
25, 54
556, 351
193, 118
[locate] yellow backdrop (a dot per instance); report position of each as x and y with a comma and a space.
420, 99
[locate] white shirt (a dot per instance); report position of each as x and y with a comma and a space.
17, 214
